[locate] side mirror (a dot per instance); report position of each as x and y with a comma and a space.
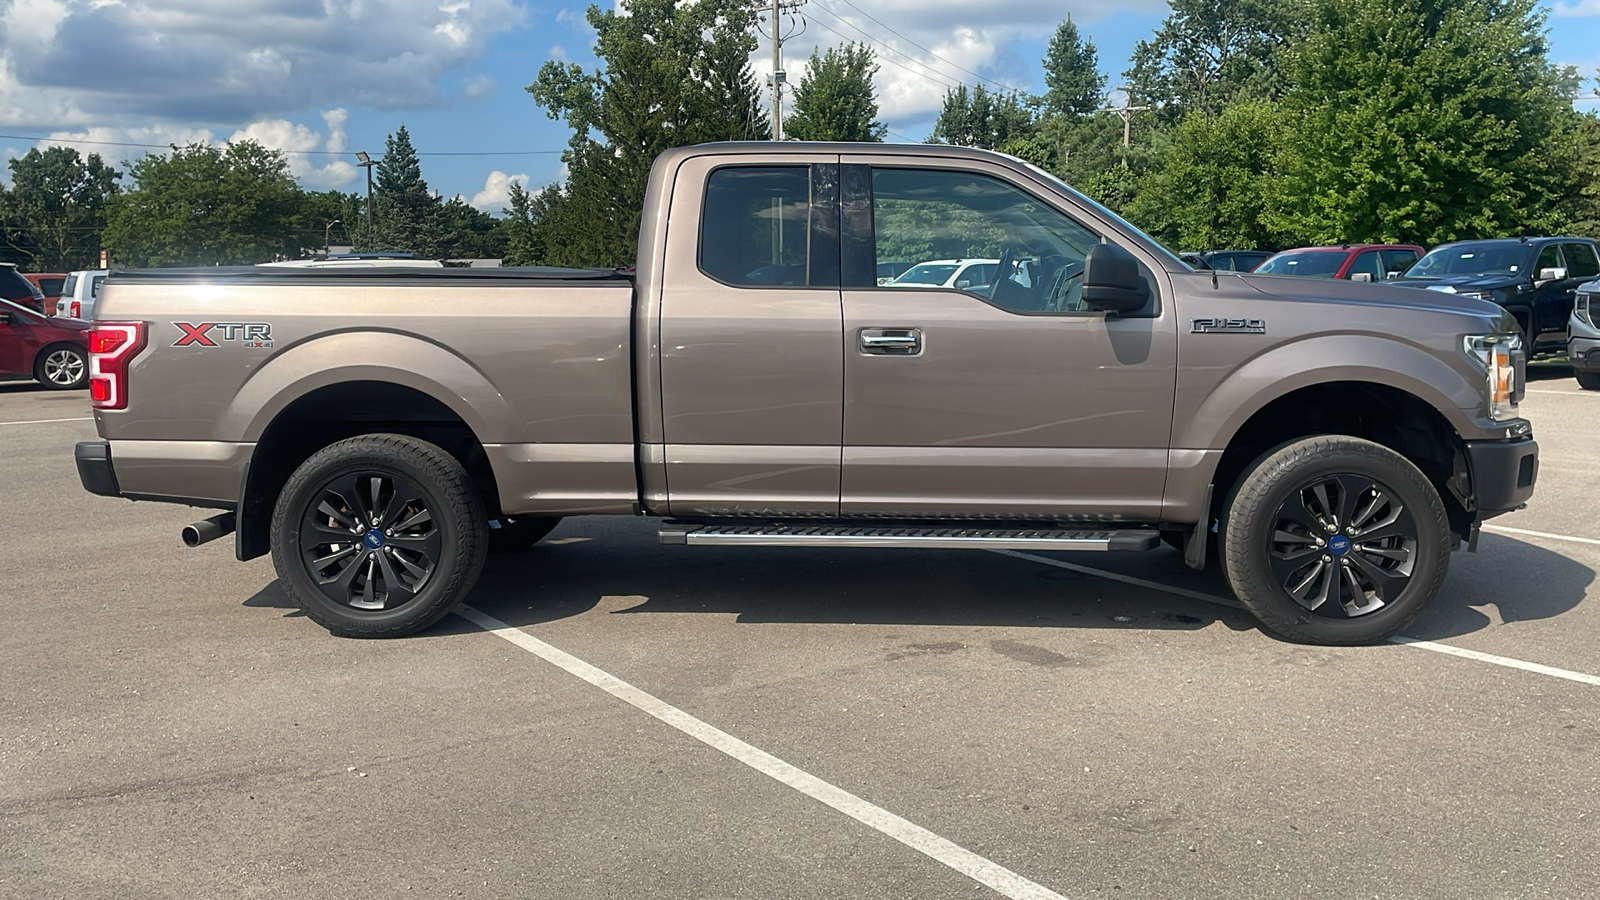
1111, 280
1557, 273
1363, 277
1390, 276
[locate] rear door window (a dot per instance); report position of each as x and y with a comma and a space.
1581, 261
762, 229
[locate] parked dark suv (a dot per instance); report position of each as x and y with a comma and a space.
1534, 279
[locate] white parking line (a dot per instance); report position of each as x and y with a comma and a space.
1507, 529
982, 870
1402, 640
48, 421
1568, 393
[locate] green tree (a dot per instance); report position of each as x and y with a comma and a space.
1209, 53
1424, 121
202, 205
1074, 86
979, 118
835, 99
1581, 201
1216, 187
672, 74
54, 212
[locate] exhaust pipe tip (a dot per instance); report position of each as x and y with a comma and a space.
208, 530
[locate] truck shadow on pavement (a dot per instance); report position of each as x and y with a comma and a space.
593, 564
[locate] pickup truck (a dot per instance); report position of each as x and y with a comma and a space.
751, 384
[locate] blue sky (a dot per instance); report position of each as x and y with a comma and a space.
325, 78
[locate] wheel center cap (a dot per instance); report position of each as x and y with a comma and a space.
1338, 545
373, 539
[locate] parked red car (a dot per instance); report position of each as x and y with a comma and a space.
1351, 262
54, 351
49, 284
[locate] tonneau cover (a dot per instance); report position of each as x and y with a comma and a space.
508, 275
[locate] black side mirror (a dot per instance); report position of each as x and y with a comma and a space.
1111, 280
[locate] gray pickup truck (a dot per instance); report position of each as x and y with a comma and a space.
378, 432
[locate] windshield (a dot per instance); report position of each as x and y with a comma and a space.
927, 273
1307, 264
1471, 260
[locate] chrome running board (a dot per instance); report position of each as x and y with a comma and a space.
934, 538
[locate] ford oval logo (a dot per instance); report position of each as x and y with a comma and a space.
373, 539
1338, 545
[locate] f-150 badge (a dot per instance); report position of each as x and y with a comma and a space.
1229, 326
256, 335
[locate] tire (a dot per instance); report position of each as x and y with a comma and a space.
62, 367
1283, 529
393, 578
1589, 381
515, 534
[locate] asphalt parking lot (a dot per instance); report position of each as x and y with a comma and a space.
784, 723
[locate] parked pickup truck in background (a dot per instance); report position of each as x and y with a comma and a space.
1328, 443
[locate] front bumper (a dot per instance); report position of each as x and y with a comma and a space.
1503, 473
94, 468
1584, 353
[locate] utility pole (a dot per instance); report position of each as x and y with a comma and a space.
1126, 111
367, 162
777, 79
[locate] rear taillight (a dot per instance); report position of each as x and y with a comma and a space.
111, 346
75, 309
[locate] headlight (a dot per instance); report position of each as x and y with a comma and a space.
1584, 306
1498, 354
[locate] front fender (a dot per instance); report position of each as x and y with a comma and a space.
385, 357
1222, 408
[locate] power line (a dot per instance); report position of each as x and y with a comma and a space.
937, 77
55, 140
917, 45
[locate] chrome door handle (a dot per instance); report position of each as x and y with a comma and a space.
891, 341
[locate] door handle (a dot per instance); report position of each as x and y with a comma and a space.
891, 341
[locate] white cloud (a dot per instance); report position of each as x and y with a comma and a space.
1577, 10
75, 63
496, 191
480, 87
314, 170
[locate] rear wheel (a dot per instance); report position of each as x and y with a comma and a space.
1589, 381
1336, 540
379, 535
63, 367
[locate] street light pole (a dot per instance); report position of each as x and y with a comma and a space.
327, 247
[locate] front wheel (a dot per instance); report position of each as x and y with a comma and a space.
379, 535
1336, 540
63, 367
1589, 381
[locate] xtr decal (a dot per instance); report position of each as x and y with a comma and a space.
256, 335
1229, 326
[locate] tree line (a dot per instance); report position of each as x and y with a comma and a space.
205, 205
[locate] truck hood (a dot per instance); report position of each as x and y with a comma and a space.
1460, 283
1370, 296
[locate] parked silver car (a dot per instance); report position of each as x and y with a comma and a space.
79, 293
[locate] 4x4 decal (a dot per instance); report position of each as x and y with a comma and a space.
246, 334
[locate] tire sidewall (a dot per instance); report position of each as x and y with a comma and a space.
460, 522
44, 355
1252, 515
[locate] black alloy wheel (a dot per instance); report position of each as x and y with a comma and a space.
1344, 546
379, 535
370, 540
1335, 540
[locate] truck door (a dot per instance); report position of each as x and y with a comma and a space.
751, 335
1014, 399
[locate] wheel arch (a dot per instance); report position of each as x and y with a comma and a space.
1387, 415
332, 412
